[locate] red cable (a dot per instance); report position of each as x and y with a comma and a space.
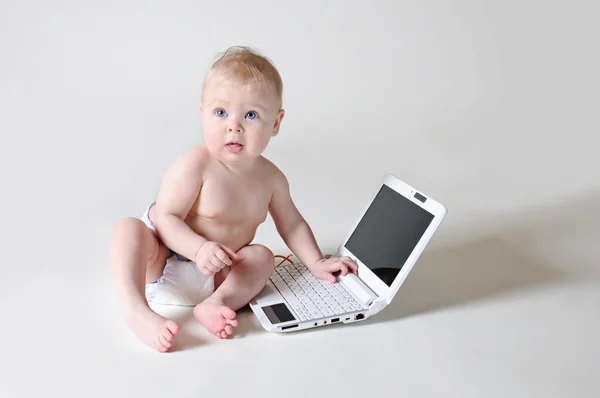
284, 259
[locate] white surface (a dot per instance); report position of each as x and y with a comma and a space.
488, 106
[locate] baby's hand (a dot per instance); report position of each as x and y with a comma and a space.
325, 268
212, 257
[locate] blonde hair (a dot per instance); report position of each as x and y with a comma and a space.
243, 65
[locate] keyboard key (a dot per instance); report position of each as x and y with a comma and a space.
327, 311
316, 313
307, 314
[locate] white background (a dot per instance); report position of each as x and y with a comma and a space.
489, 107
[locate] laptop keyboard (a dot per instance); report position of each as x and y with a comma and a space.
309, 297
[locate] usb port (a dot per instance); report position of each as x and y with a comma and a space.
334, 320
289, 327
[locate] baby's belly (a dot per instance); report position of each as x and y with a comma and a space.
232, 235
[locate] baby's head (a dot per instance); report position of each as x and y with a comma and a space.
241, 105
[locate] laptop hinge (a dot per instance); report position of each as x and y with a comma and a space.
361, 291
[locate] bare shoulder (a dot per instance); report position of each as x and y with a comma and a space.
192, 161
281, 205
275, 177
182, 182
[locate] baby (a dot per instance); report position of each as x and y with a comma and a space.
210, 204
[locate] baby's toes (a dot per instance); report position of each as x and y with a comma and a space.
172, 328
167, 335
228, 329
164, 341
223, 334
160, 346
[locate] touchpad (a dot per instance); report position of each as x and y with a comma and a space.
268, 295
278, 313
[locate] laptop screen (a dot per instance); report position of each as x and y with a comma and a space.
387, 233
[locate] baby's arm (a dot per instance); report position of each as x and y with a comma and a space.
178, 191
292, 227
298, 236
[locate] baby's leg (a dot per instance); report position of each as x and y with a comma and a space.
138, 257
244, 281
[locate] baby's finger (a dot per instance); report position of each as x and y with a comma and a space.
343, 268
334, 266
230, 252
206, 271
218, 263
221, 255
326, 276
211, 269
212, 265
352, 265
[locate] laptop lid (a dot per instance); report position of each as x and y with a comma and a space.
390, 235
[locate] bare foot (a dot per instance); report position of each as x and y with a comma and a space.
153, 329
216, 317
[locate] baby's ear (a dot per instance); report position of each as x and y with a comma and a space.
201, 108
278, 120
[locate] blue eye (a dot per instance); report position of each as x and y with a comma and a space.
221, 113
251, 115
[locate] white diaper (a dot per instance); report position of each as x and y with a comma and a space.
181, 284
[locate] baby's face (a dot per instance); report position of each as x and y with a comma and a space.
239, 121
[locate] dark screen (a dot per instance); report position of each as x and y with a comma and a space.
388, 232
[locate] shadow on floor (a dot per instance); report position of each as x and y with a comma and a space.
514, 257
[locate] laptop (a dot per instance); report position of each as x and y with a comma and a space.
385, 241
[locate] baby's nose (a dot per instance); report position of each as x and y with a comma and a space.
235, 127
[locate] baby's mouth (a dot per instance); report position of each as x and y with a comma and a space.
234, 147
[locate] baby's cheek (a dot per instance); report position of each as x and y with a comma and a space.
263, 142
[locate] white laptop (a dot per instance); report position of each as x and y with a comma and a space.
386, 241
